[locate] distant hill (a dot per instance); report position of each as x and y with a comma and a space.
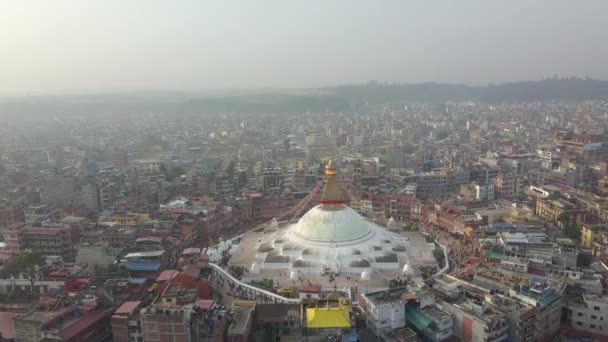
331, 99
573, 89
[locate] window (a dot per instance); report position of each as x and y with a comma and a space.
596, 308
580, 314
593, 317
579, 323
592, 326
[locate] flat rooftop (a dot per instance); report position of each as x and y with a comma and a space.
242, 315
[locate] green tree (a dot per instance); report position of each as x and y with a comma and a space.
439, 255
410, 148
555, 195
572, 232
396, 283
442, 134
28, 262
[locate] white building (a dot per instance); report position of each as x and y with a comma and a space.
590, 314
484, 191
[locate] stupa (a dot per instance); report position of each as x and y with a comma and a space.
331, 239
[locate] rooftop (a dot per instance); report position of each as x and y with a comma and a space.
127, 308
82, 324
242, 315
6, 324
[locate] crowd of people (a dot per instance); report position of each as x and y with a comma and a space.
460, 249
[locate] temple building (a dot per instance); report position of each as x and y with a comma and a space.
331, 245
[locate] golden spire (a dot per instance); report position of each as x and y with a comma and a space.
331, 193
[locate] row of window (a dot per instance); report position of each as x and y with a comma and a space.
580, 314
592, 326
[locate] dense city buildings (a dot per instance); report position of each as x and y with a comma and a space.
394, 222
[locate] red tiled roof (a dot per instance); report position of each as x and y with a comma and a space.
474, 261
186, 230
409, 296
166, 275
127, 308
192, 271
205, 304
16, 225
42, 231
81, 325
313, 288
6, 324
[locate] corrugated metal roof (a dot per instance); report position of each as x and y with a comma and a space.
81, 325
319, 318
496, 255
143, 266
414, 316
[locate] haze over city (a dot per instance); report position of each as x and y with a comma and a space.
319, 171
74, 47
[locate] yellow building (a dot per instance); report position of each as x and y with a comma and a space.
329, 316
560, 212
130, 219
591, 233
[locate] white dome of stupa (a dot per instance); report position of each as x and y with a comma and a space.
366, 275
255, 268
332, 221
293, 275
336, 224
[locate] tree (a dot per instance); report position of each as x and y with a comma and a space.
442, 134
555, 195
28, 262
572, 232
396, 283
409, 148
439, 255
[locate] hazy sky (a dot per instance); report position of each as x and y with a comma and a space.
74, 46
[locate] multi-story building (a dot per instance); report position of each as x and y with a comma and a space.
442, 326
590, 313
70, 324
269, 175
593, 233
166, 323
126, 326
484, 191
48, 241
560, 212
242, 321
384, 310
507, 185
432, 184
41, 214
11, 213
